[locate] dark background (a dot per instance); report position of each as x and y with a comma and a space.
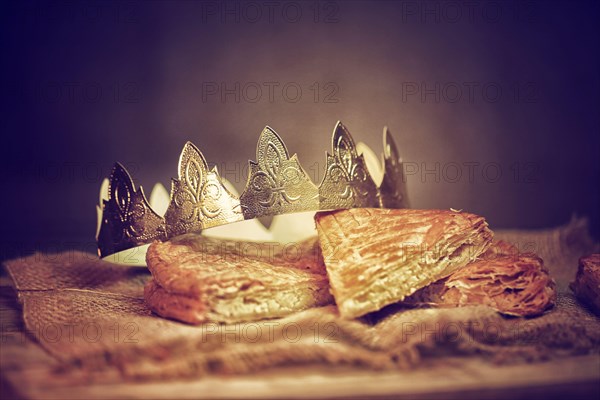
470, 90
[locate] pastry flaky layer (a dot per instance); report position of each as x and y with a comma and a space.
197, 279
509, 282
587, 281
375, 257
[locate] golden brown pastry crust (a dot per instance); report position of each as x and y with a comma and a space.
587, 281
177, 306
513, 284
500, 248
197, 279
375, 257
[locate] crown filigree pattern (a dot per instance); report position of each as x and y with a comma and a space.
347, 182
127, 219
199, 200
277, 184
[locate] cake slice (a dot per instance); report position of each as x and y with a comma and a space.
375, 257
198, 279
509, 282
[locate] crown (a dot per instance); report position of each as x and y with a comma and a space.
277, 184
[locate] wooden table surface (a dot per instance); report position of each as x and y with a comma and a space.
27, 372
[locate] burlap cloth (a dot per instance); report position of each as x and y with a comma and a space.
90, 314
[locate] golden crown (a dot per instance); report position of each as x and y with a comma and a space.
277, 184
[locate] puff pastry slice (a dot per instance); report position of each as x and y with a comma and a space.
198, 279
375, 257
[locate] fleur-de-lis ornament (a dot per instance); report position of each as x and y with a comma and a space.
347, 182
199, 200
393, 187
277, 184
127, 219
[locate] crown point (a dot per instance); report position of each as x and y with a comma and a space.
339, 126
346, 182
277, 183
189, 146
120, 183
269, 132
192, 162
127, 218
118, 169
393, 187
198, 198
269, 141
